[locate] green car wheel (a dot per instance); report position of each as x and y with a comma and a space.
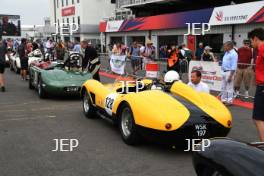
30, 86
41, 92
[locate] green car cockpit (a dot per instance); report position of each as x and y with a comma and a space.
74, 62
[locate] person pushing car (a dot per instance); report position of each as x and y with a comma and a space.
90, 60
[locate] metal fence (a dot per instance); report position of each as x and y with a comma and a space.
162, 64
245, 72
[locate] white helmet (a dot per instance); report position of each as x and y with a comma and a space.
171, 76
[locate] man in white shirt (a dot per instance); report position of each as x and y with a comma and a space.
196, 82
228, 70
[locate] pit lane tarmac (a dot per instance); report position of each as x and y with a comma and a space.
28, 126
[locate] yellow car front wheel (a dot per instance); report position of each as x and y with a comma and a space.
88, 109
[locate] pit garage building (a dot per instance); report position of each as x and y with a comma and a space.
231, 22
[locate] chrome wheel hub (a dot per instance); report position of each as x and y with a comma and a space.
39, 88
86, 103
126, 122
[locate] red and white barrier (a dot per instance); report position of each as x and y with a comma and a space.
152, 70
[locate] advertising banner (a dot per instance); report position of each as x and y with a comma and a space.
10, 25
118, 64
167, 21
252, 12
68, 11
211, 73
237, 14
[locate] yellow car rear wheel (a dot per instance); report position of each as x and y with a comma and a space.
127, 126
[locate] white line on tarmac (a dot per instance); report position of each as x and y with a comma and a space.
37, 109
13, 110
5, 105
32, 118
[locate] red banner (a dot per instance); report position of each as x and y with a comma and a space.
68, 11
191, 42
102, 26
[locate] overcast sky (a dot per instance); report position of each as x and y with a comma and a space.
31, 11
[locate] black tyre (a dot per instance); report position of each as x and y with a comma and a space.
41, 91
88, 109
127, 126
208, 171
30, 86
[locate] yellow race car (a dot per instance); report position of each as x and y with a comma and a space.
171, 116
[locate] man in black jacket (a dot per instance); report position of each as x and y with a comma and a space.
90, 60
2, 65
23, 58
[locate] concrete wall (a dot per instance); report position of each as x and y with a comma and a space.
91, 12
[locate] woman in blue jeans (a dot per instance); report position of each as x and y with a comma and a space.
134, 53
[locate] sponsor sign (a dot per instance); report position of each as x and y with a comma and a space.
68, 11
211, 73
252, 12
167, 21
235, 14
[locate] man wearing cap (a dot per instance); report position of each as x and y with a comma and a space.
91, 61
149, 52
228, 70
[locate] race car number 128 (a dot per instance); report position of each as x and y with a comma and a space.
109, 102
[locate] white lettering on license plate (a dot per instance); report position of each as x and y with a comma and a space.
201, 129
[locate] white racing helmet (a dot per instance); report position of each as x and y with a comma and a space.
171, 76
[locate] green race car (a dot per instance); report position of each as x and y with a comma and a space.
58, 78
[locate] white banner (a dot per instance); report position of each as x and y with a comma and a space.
211, 73
235, 14
118, 64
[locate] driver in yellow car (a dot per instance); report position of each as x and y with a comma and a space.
196, 82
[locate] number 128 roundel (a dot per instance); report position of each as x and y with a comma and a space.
165, 115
